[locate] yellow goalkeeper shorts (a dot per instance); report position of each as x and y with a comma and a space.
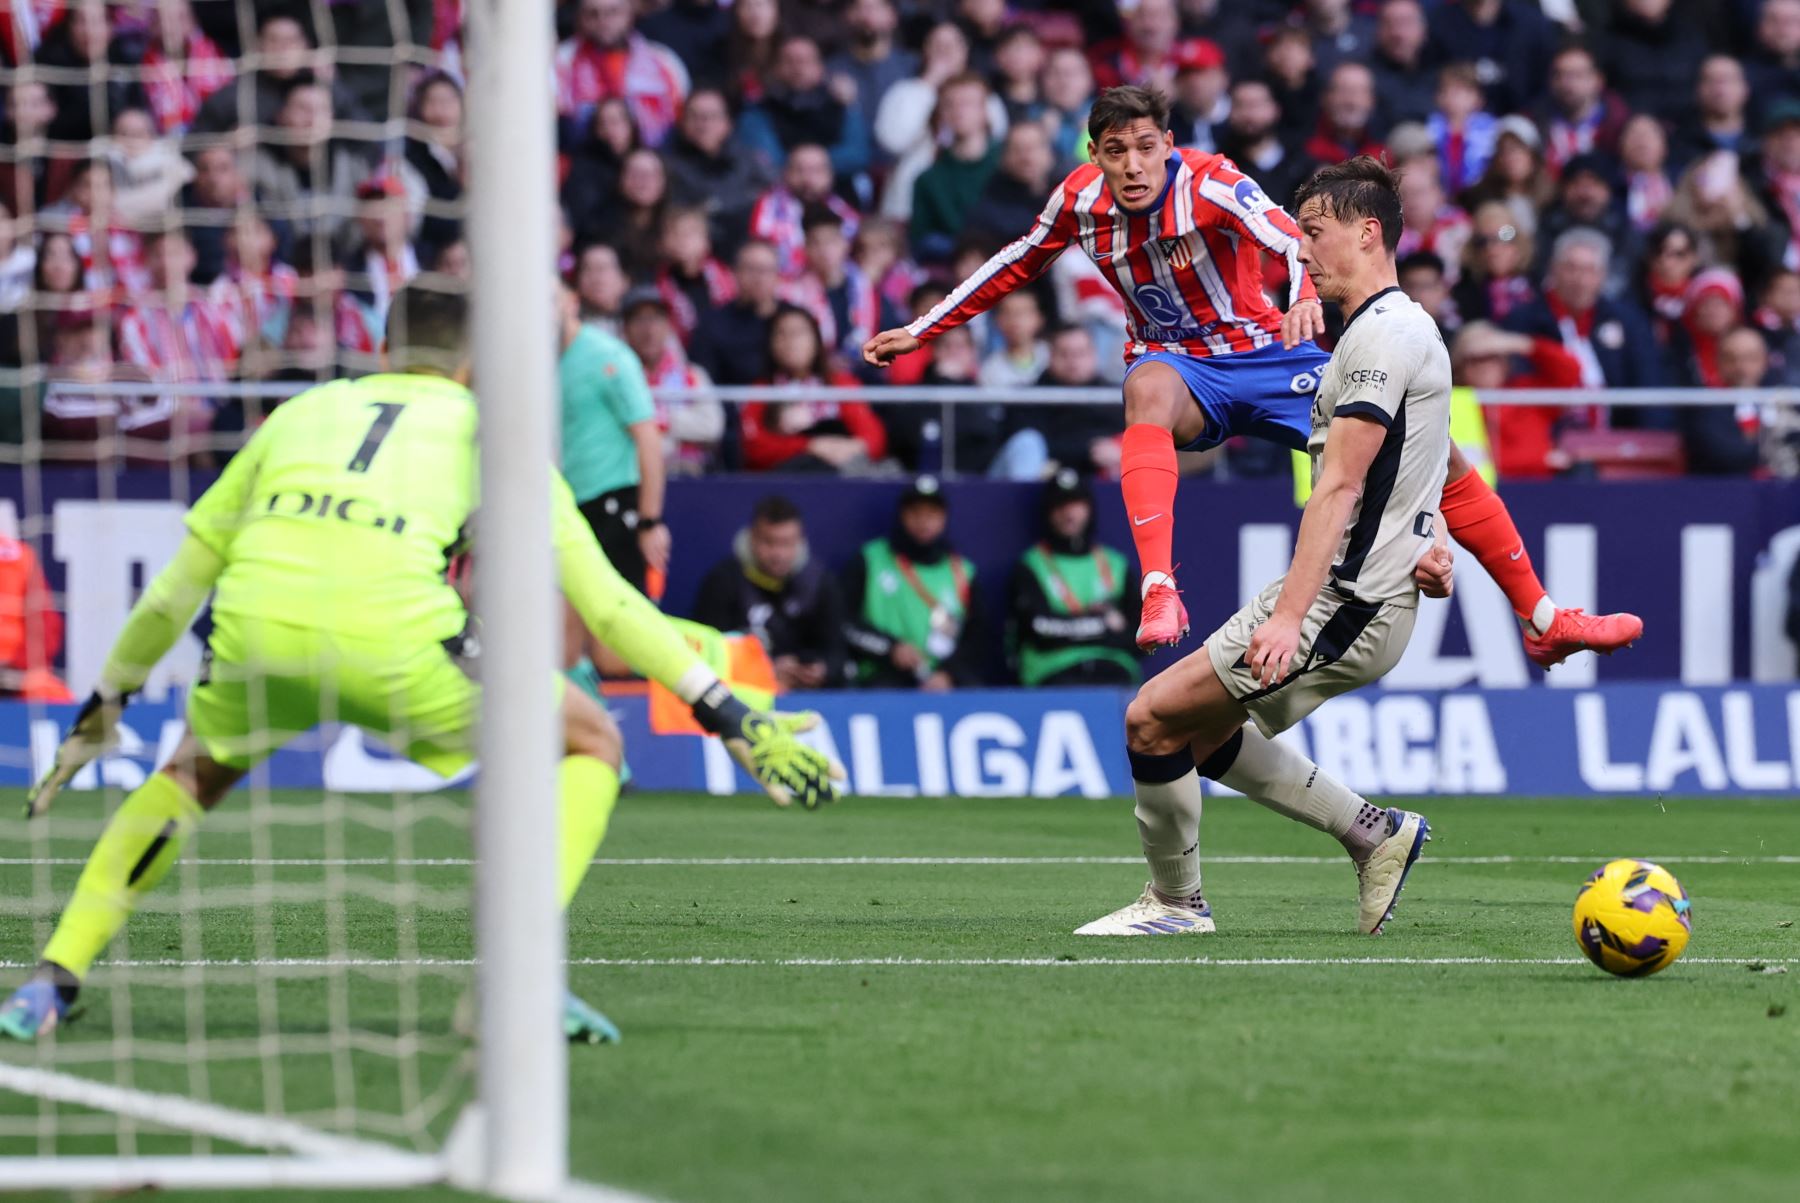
265, 683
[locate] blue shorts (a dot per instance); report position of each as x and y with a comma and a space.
1265, 394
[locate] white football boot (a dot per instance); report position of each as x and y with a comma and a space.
1151, 916
1381, 875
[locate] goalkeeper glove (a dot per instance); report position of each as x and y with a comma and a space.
90, 736
764, 743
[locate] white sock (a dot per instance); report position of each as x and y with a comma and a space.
1542, 615
1152, 580
1286, 782
1168, 817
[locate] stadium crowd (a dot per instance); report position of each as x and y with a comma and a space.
1598, 194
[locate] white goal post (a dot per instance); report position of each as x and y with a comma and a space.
511, 1141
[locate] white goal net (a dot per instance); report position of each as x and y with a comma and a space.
208, 205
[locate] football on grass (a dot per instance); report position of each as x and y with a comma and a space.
1632, 918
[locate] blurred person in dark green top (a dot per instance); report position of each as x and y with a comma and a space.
915, 619
1072, 610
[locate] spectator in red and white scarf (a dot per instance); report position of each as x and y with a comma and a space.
182, 67
112, 257
174, 336
881, 254
256, 291
383, 258
1644, 153
1347, 113
1671, 257
1432, 223
690, 281
1728, 440
23, 24
1609, 336
607, 57
778, 215
692, 427
1715, 305
1580, 116
1146, 55
832, 288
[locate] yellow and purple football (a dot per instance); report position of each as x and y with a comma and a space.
1632, 918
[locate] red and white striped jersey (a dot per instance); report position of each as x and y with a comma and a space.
189, 343
1189, 268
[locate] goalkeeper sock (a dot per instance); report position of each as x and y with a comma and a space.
587, 790
134, 853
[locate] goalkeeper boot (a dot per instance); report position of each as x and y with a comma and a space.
1381, 875
1152, 915
36, 1008
582, 1024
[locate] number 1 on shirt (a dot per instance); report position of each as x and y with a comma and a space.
386, 414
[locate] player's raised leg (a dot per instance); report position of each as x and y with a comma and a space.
141, 842
587, 786
1160, 414
1478, 520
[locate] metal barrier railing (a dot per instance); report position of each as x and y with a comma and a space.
947, 397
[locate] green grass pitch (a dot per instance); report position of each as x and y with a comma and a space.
897, 1026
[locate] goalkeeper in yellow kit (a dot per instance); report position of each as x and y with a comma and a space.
325, 542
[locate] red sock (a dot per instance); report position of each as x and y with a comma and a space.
1147, 478
1478, 520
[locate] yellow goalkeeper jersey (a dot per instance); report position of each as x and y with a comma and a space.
342, 511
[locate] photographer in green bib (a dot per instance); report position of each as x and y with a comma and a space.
915, 619
1073, 604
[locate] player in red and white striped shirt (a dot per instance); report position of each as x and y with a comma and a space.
1181, 235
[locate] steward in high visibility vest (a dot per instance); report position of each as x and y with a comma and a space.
915, 620
1073, 604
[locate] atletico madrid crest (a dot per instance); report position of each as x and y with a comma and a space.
1176, 251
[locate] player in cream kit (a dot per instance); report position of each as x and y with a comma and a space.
1371, 540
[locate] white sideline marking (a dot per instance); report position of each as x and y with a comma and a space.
445, 862
869, 962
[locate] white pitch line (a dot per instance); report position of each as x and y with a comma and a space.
189, 1115
452, 862
877, 962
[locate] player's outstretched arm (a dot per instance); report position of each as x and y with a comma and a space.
1018, 263
1350, 447
888, 346
765, 743
159, 618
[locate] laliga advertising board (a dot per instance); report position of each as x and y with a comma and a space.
1704, 704
1620, 739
